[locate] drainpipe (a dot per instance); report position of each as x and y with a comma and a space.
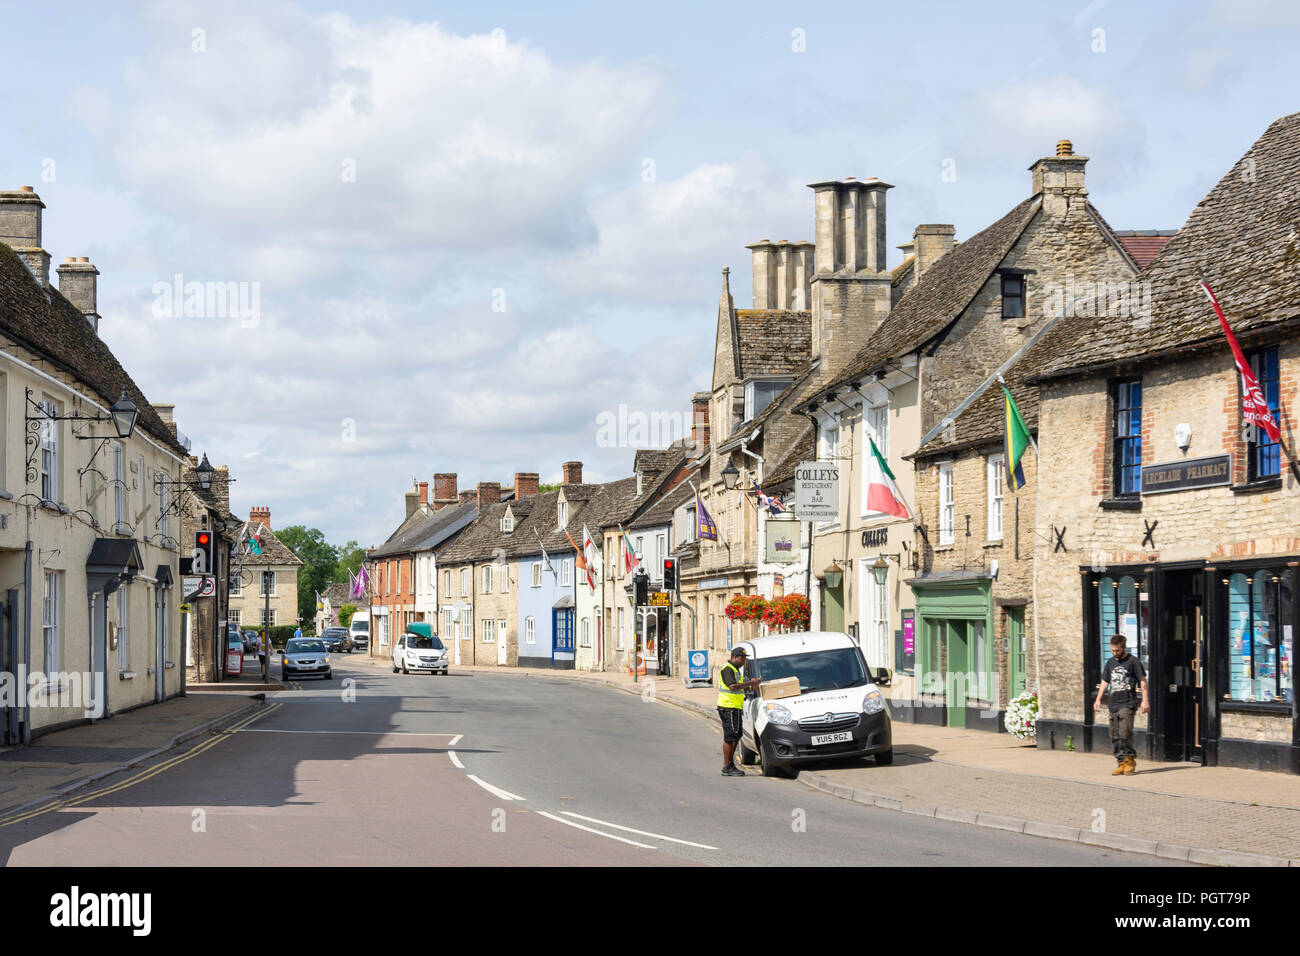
27, 635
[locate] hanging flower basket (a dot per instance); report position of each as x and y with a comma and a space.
1022, 716
790, 613
745, 607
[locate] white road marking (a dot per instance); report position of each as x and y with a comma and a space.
495, 791
610, 836
454, 740
645, 833
455, 760
364, 733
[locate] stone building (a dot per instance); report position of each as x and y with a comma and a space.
206, 626
89, 605
264, 587
939, 596
1162, 516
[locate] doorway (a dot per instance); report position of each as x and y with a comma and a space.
833, 608
1017, 672
1182, 656
503, 650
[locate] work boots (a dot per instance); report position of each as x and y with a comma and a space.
1119, 767
1129, 766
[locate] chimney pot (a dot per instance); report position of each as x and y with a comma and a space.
26, 189
424, 492
444, 490
1065, 148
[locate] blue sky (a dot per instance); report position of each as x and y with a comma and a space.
500, 269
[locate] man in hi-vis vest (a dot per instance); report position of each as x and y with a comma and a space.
731, 698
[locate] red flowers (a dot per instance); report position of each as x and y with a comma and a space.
790, 613
744, 607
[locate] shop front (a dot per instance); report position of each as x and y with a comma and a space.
956, 664
1217, 643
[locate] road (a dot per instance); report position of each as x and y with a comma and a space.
479, 769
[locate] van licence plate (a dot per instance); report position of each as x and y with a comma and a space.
840, 738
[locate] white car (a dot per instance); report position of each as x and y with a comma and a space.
839, 712
420, 650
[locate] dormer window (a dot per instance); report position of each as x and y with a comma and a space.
760, 394
564, 514
507, 522
638, 484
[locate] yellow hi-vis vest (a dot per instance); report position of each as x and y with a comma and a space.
725, 697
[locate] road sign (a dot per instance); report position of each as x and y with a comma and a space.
186, 608
817, 491
197, 585
659, 599
697, 669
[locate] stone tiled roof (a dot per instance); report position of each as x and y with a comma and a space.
274, 552
804, 449
53, 328
421, 532
943, 292
773, 342
1144, 244
1241, 239
661, 512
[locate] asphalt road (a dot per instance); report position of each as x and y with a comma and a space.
486, 770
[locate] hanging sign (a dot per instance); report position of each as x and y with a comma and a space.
817, 491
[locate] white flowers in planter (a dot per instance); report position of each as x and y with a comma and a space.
1022, 715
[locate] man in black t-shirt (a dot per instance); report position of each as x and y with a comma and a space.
1123, 674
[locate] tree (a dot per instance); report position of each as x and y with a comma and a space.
320, 561
351, 557
345, 614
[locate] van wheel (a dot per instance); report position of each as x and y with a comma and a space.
885, 757
747, 757
770, 769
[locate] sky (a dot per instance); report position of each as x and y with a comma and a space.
461, 236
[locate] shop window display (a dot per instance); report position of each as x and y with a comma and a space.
1260, 640
1122, 611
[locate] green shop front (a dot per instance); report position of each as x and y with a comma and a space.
962, 679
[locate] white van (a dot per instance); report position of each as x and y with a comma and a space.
359, 629
839, 711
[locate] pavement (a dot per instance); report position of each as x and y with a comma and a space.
1184, 812
1221, 816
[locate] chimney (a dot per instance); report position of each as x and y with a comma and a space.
764, 258
851, 294
930, 242
424, 496
489, 493
1060, 179
444, 490
256, 515
782, 273
20, 228
412, 498
77, 282
527, 484
468, 496
221, 487
572, 472
700, 421
166, 412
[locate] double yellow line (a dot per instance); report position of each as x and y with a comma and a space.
144, 775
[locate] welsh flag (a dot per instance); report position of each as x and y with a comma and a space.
882, 489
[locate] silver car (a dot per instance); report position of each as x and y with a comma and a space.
305, 657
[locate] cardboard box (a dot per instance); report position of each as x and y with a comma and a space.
779, 688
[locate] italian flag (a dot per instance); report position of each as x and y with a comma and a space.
882, 490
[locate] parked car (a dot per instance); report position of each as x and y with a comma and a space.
419, 649
305, 657
251, 641
360, 629
838, 712
337, 639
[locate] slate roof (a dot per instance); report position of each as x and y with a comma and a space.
53, 328
274, 552
1241, 239
1144, 244
661, 512
772, 342
422, 531
943, 292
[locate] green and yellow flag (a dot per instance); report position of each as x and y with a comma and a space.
1015, 442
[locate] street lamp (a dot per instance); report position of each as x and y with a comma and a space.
204, 473
880, 570
834, 575
729, 475
124, 414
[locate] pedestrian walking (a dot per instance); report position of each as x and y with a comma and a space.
731, 698
1123, 674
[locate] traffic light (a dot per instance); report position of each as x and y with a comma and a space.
203, 552
641, 590
670, 574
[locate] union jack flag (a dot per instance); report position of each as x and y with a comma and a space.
772, 503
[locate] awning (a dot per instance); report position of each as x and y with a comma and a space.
110, 560
564, 602
164, 576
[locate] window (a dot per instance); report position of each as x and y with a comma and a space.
236, 584
50, 623
487, 579
565, 574
1128, 438
1013, 296
235, 616
268, 617
691, 524
995, 497
585, 632
661, 552
1261, 605
119, 488
530, 630
640, 548
945, 503
123, 622
564, 514
489, 632
268, 584
710, 617
1122, 611
830, 452
507, 522
464, 582
537, 574
446, 583
49, 453
877, 420
622, 629
759, 395
1264, 456
139, 476
505, 578
447, 622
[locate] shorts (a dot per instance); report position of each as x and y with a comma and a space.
730, 723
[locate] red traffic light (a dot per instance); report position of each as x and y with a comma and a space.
203, 537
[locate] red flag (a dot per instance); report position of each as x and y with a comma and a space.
580, 562
1254, 409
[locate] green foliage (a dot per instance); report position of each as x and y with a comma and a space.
542, 489
1069, 743
351, 557
345, 614
319, 562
